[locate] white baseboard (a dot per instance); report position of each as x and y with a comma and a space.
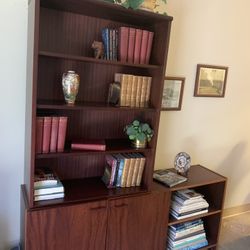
232, 211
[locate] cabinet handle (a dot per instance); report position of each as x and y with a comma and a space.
97, 208
121, 205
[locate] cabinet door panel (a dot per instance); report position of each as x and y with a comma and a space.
78, 227
138, 223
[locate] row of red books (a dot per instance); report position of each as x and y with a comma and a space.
50, 134
124, 170
135, 45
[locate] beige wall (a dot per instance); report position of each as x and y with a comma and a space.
214, 131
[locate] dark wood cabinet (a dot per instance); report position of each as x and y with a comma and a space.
60, 34
130, 223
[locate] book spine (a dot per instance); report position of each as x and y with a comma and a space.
131, 45
138, 91
105, 42
133, 91
137, 50
129, 90
120, 170
130, 171
125, 172
140, 171
54, 133
135, 172
39, 135
79, 146
46, 134
112, 162
149, 46
124, 87
110, 33
143, 91
123, 43
144, 45
148, 91
62, 128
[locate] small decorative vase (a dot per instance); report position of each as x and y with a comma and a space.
182, 163
70, 84
139, 144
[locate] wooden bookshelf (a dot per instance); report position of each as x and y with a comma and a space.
60, 35
212, 185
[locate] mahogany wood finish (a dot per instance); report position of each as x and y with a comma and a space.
64, 31
60, 35
212, 186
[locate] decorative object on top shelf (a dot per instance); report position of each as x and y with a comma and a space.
172, 93
139, 133
98, 48
210, 81
70, 83
182, 163
157, 6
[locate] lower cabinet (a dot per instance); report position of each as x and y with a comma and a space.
137, 223
67, 228
132, 223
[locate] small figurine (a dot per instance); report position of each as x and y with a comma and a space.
98, 49
182, 163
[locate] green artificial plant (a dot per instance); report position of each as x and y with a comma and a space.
139, 131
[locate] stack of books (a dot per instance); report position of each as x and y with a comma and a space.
124, 170
134, 90
187, 236
127, 44
47, 185
186, 203
50, 134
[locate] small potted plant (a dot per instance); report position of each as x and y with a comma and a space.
139, 133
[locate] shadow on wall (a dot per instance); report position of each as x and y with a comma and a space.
233, 168
4, 234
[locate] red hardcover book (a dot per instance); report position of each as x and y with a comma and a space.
137, 50
123, 43
144, 44
88, 144
46, 134
149, 46
62, 128
39, 135
131, 45
54, 134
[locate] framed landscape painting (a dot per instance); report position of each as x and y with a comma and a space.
172, 93
210, 81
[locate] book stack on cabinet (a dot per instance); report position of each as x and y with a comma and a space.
60, 38
207, 187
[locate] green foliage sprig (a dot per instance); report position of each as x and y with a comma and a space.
139, 131
134, 4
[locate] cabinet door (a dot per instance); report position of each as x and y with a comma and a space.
78, 227
138, 223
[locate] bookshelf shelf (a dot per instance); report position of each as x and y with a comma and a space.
93, 60
89, 189
112, 147
60, 105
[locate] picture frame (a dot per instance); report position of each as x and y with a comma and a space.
210, 81
172, 93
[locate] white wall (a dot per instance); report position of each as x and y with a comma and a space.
214, 131
13, 40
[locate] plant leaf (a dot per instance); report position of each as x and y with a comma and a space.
141, 137
136, 123
134, 4
145, 127
132, 137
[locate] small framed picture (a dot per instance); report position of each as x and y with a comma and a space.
172, 93
210, 81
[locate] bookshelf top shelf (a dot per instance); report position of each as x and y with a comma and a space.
199, 176
94, 60
61, 105
102, 9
